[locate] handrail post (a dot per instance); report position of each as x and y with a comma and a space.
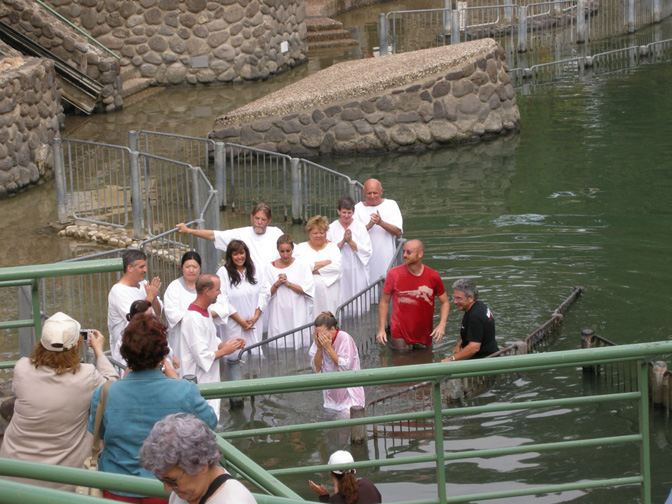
383, 34
220, 174
522, 28
234, 373
26, 334
37, 314
352, 190
644, 449
657, 11
59, 176
588, 341
508, 12
446, 19
632, 14
438, 441
455, 26
295, 168
357, 432
136, 186
581, 22
210, 255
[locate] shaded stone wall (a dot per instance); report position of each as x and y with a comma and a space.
37, 23
29, 111
401, 103
196, 41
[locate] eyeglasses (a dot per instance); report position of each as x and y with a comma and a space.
172, 483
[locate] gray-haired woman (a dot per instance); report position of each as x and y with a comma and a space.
182, 452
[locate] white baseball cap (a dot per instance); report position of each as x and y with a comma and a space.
341, 457
60, 332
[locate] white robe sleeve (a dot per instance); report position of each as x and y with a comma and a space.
363, 241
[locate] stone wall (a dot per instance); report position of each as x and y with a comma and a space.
401, 103
196, 41
29, 120
37, 23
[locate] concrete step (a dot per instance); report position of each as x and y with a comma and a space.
135, 85
327, 35
316, 24
332, 43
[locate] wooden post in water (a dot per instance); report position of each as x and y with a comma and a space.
658, 385
588, 341
357, 432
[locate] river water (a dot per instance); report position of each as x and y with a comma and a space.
580, 197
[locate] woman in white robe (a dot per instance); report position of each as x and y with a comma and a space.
242, 288
334, 350
352, 238
177, 298
324, 259
289, 289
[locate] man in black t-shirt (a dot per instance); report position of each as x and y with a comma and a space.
478, 325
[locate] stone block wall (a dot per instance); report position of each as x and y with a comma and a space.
29, 121
402, 103
196, 41
37, 23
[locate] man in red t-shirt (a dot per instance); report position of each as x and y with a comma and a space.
412, 288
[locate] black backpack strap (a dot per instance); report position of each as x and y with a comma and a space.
214, 486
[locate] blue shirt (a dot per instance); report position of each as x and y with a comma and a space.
133, 406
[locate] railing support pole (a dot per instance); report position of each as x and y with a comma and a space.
136, 186
522, 28
234, 373
632, 14
59, 176
353, 190
658, 385
455, 26
657, 11
383, 34
446, 19
220, 174
210, 255
357, 432
295, 167
26, 334
644, 450
588, 341
438, 441
581, 22
508, 12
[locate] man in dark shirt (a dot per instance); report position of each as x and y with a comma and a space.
478, 325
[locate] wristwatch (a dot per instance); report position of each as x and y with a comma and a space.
452, 357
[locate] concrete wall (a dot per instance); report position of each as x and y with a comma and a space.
196, 41
402, 103
75, 49
29, 119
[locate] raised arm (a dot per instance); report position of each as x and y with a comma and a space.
206, 234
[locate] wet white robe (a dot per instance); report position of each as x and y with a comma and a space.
348, 360
288, 310
328, 282
355, 265
177, 299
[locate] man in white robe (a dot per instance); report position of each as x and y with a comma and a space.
201, 348
352, 238
132, 286
383, 220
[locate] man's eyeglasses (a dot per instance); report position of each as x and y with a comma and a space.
172, 483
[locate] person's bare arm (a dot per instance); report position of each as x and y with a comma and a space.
383, 310
206, 234
465, 353
440, 330
228, 347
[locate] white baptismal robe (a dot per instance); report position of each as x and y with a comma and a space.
177, 299
328, 282
355, 265
288, 310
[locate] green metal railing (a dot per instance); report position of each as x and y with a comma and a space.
19, 276
267, 481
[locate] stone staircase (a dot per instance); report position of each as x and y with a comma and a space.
327, 32
135, 88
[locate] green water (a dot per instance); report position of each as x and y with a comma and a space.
580, 197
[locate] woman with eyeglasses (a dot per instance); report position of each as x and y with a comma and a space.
142, 398
181, 451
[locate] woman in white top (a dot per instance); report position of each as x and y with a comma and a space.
241, 287
324, 259
289, 290
178, 296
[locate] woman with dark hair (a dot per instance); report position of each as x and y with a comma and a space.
242, 289
289, 289
53, 393
178, 296
182, 453
137, 402
334, 350
347, 489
